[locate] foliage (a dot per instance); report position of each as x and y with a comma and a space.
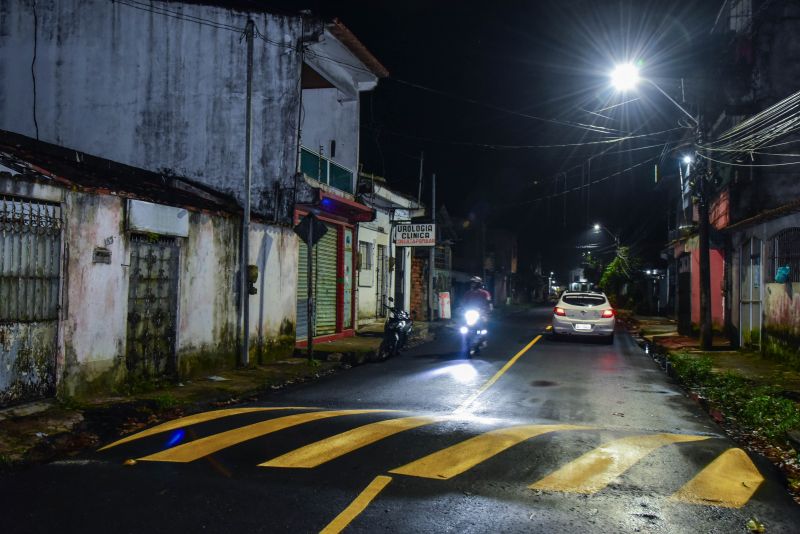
621, 271
694, 371
760, 408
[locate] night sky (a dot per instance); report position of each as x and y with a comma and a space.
468, 83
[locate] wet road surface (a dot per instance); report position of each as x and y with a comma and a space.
530, 435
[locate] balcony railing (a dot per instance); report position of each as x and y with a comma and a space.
325, 171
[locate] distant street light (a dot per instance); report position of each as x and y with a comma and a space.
597, 227
687, 159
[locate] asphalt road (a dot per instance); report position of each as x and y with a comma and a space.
565, 436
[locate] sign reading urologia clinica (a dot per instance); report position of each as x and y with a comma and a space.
415, 235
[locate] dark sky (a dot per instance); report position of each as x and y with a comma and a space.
465, 79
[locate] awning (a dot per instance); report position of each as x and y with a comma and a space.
331, 204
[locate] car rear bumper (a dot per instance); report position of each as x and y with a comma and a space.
596, 328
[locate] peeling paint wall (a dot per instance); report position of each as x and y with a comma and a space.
95, 303
782, 321
154, 91
273, 308
207, 311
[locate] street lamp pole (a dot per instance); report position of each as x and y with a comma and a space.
625, 77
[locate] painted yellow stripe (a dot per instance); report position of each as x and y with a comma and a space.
199, 448
333, 447
194, 419
596, 469
452, 461
729, 481
497, 375
361, 502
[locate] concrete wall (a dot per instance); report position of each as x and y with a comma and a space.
377, 233
89, 354
782, 321
273, 309
327, 117
153, 91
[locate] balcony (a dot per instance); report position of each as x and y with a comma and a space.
325, 171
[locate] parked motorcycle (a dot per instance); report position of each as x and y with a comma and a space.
473, 331
396, 332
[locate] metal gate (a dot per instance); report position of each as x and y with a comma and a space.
750, 293
152, 307
30, 277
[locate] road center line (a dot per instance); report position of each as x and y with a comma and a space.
489, 383
360, 503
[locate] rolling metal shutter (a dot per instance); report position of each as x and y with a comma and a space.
325, 263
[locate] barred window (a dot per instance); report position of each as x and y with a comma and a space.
783, 249
30, 251
365, 255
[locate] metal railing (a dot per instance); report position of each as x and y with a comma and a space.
325, 171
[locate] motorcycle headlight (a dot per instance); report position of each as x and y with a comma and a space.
463, 329
471, 316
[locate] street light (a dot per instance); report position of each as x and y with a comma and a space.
625, 77
687, 159
597, 227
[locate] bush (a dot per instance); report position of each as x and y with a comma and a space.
694, 371
771, 416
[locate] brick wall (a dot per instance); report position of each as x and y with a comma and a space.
419, 306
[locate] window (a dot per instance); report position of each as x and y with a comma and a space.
365, 256
584, 300
30, 259
784, 250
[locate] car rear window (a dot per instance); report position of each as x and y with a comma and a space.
584, 300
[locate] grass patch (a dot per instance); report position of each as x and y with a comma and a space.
165, 401
760, 408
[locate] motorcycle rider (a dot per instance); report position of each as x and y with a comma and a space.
477, 297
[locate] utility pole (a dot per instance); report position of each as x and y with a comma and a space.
704, 228
244, 295
419, 189
432, 256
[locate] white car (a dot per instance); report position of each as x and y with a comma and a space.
584, 314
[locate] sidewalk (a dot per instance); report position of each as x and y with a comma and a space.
662, 334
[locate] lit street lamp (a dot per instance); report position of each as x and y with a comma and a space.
625, 77
597, 227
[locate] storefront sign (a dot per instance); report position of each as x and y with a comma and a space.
415, 235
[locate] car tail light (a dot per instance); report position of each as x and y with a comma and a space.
559, 311
608, 313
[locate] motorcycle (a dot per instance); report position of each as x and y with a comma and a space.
473, 331
396, 332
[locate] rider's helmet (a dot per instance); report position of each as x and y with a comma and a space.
475, 282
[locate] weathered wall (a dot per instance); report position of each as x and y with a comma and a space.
377, 233
273, 309
327, 117
782, 321
207, 311
95, 304
154, 91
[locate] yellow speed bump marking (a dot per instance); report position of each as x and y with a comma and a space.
729, 481
194, 419
199, 448
596, 469
333, 447
452, 461
360, 503
489, 383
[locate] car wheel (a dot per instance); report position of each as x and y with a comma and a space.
610, 340
554, 336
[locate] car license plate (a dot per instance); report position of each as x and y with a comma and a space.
580, 326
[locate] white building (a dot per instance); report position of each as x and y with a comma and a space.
384, 270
